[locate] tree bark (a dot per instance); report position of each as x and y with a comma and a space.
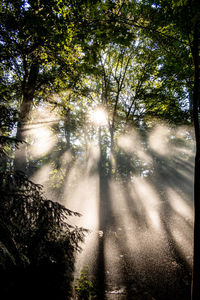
28, 92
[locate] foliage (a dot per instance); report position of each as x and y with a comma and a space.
36, 242
8, 119
132, 57
84, 287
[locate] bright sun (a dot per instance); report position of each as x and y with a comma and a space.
99, 117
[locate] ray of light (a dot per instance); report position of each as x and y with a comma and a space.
140, 218
158, 140
43, 143
81, 191
132, 143
41, 137
139, 225
179, 205
146, 201
42, 177
84, 198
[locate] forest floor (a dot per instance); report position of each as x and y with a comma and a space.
144, 275
141, 236
139, 259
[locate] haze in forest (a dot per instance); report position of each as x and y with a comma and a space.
141, 209
99, 116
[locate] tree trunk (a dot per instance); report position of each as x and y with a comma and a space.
28, 91
196, 106
112, 158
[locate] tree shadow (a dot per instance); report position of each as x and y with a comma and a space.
153, 264
143, 229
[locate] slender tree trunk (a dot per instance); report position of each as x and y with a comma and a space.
28, 91
20, 153
112, 158
68, 130
103, 203
196, 106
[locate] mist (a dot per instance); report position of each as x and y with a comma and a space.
136, 202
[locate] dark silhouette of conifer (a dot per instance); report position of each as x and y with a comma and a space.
37, 245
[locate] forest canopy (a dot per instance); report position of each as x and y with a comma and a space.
87, 88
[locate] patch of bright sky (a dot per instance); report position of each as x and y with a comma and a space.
159, 67
90, 43
186, 101
137, 41
26, 5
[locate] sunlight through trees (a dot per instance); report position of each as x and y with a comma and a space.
97, 105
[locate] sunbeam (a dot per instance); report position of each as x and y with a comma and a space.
43, 141
41, 136
99, 108
143, 217
158, 140
132, 143
139, 223
179, 205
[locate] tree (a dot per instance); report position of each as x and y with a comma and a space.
37, 50
75, 55
177, 24
37, 244
42, 44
